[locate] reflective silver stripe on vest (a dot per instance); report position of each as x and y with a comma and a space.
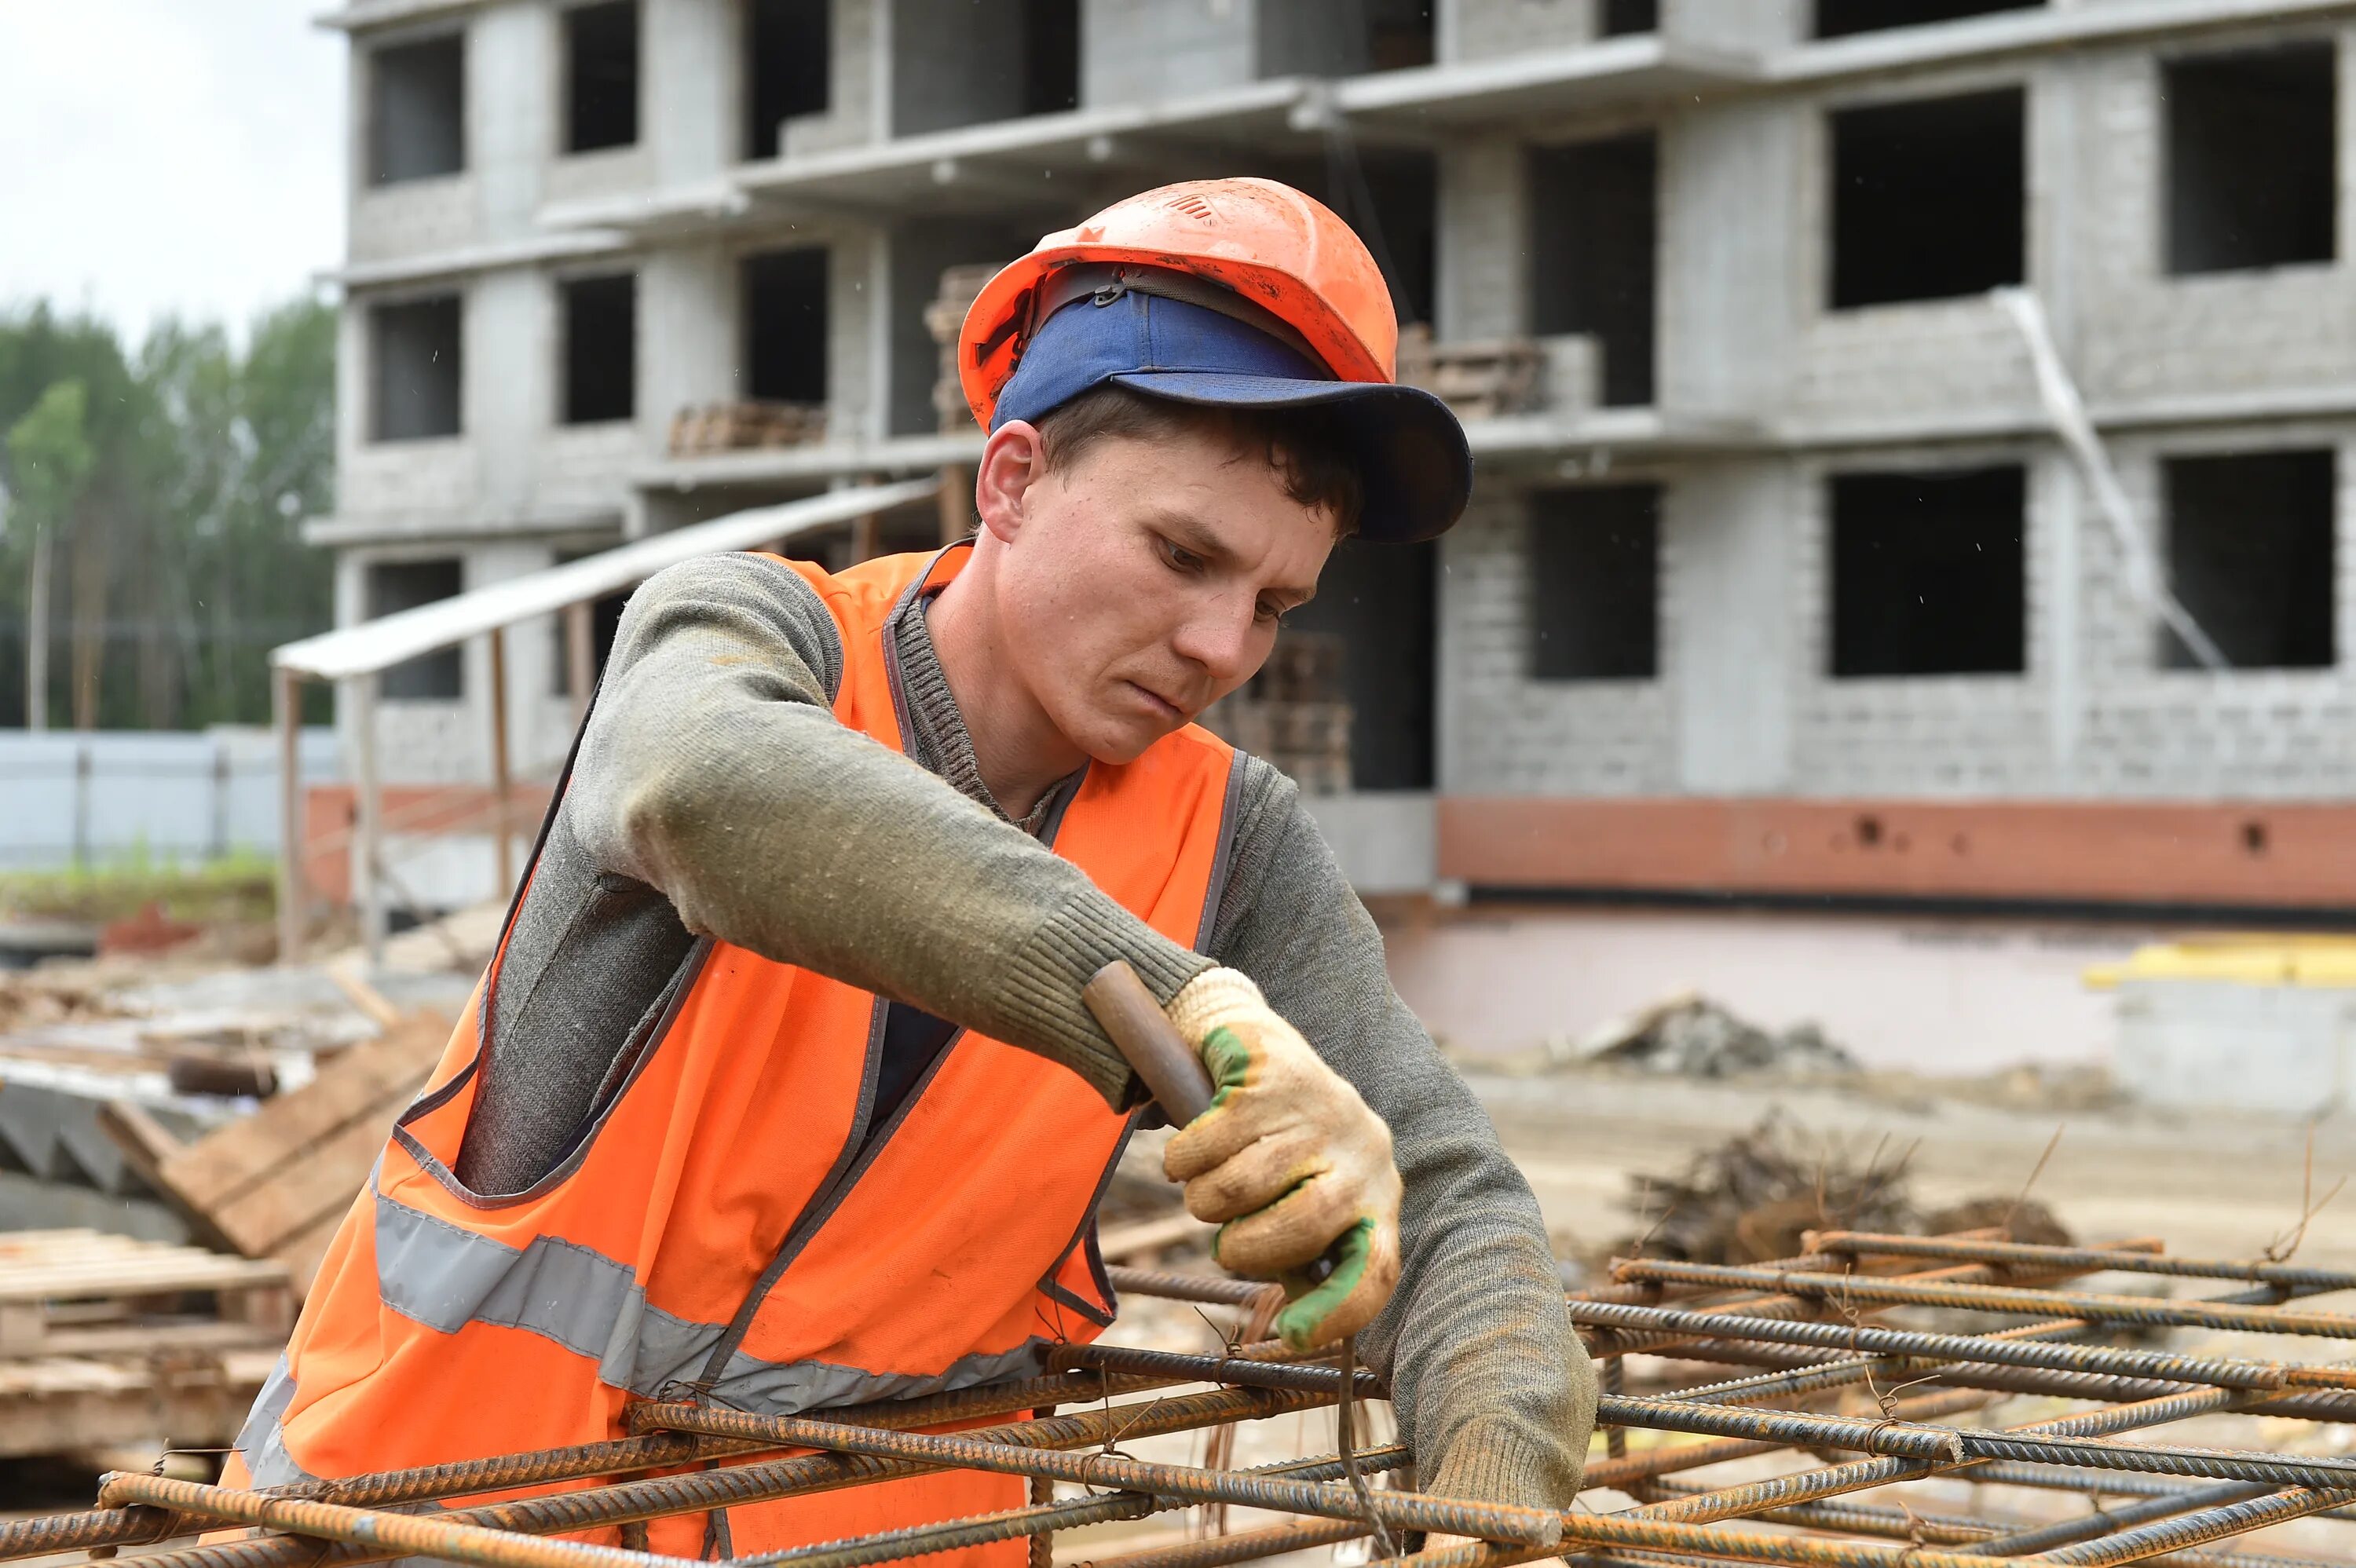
263, 1439
445, 1276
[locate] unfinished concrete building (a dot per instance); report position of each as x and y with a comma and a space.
1778, 582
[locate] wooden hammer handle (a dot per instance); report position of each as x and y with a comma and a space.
1148, 1042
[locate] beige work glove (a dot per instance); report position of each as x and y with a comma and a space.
1287, 1162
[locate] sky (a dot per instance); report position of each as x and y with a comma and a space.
167, 157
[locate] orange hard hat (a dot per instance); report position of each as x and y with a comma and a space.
1230, 263
1282, 251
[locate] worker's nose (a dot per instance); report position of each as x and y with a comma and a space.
1224, 638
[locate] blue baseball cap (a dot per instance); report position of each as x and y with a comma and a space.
1408, 448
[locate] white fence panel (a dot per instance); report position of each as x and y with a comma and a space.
103, 798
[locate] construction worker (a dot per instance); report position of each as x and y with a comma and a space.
780, 1091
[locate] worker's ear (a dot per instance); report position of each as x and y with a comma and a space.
1011, 463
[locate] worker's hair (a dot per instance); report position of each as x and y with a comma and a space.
1307, 447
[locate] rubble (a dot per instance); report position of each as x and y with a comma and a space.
1755, 1196
1692, 1036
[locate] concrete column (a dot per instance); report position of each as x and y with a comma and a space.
1141, 51
1728, 291
1482, 287
692, 102
508, 364
1736, 26
511, 74
1728, 543
687, 335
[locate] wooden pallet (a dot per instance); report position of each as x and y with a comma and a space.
85, 1292
1486, 379
58, 1404
734, 427
277, 1184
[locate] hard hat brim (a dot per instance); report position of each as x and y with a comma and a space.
1406, 443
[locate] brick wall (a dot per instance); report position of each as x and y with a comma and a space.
1501, 732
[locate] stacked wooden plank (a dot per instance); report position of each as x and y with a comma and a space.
107, 1341
1484, 379
703, 428
1296, 714
277, 1184
944, 317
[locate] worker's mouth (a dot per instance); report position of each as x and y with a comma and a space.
1162, 708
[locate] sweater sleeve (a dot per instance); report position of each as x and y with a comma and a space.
1494, 1393
714, 769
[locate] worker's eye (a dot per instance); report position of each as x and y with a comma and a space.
1178, 558
1268, 613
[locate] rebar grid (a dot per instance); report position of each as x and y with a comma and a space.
1848, 1403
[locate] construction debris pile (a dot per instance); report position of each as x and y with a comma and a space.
1781, 1420
1754, 1197
1693, 1036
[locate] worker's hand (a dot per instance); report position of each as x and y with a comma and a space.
1288, 1161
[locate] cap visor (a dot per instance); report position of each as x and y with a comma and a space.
1410, 448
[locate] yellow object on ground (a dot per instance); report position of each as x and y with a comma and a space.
2259, 959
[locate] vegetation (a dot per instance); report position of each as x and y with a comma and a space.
150, 509
240, 890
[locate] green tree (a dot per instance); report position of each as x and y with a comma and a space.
51, 457
187, 563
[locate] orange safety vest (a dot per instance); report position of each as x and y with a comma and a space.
731, 1223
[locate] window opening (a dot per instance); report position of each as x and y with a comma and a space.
1595, 568
1835, 18
1928, 198
1298, 39
417, 109
1399, 34
1593, 252
1051, 55
396, 585
1615, 17
788, 54
785, 326
415, 346
1928, 573
601, 349
1381, 601
2251, 554
2253, 178
601, 76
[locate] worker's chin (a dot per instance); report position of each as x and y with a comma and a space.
1115, 738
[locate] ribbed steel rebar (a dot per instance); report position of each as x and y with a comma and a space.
1220, 1290
1217, 1551
1177, 1367
1787, 1427
1975, 1536
130, 1527
950, 1535
2028, 1540
2026, 1254
733, 1486
1871, 1339
2198, 1529
1878, 1291
1408, 1511
2060, 1478
1813, 1486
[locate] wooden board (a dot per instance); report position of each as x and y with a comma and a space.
218, 1167
276, 1185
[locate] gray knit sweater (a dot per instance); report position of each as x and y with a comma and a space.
715, 794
